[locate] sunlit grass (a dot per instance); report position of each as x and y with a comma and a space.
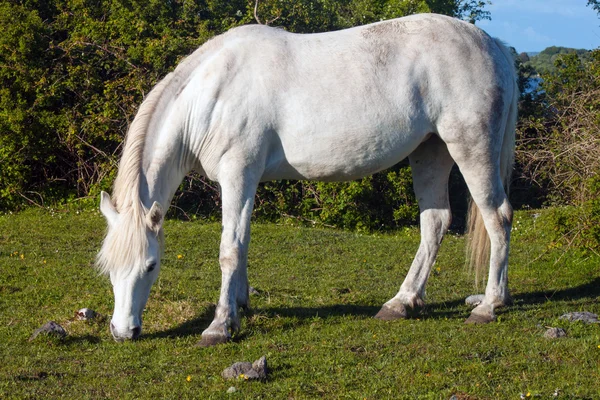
318, 290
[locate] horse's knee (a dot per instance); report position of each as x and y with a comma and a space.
445, 220
436, 221
506, 211
229, 256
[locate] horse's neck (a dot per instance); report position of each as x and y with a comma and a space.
165, 165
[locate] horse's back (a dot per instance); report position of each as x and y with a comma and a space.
344, 104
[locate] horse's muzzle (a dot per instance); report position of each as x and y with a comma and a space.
120, 336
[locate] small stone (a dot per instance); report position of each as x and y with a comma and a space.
474, 300
85, 314
553, 333
50, 328
251, 374
247, 370
231, 389
260, 366
252, 291
583, 316
236, 370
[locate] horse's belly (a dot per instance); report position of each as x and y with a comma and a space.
339, 158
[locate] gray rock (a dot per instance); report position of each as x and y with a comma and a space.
246, 370
236, 370
252, 291
50, 328
85, 314
260, 366
251, 374
583, 316
553, 333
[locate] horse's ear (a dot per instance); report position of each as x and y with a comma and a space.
107, 208
155, 216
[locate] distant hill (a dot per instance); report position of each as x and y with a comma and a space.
543, 61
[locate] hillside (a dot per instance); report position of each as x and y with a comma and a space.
543, 62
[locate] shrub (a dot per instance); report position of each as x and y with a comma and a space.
559, 147
72, 73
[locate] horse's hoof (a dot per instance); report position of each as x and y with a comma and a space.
212, 340
390, 314
479, 319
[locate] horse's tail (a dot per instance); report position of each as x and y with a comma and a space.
478, 242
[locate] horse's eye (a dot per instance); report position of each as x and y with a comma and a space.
150, 267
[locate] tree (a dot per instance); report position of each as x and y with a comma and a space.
595, 4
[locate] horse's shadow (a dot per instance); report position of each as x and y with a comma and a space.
188, 328
449, 309
590, 290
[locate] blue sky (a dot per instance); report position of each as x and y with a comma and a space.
533, 25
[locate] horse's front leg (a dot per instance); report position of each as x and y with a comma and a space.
237, 191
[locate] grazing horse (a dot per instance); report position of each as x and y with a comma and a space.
259, 103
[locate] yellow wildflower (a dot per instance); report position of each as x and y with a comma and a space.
189, 378
179, 256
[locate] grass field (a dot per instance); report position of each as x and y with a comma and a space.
318, 290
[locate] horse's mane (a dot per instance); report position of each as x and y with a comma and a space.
124, 246
127, 183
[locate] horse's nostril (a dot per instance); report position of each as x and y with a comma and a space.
135, 332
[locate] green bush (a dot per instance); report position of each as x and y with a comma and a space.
578, 227
559, 147
380, 202
73, 72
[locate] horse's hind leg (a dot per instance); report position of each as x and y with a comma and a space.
484, 181
238, 187
431, 164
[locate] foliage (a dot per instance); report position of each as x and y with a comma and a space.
595, 4
324, 15
313, 317
559, 145
558, 142
579, 226
545, 61
73, 72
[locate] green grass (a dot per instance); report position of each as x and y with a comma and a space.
312, 319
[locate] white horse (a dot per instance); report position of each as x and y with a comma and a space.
259, 103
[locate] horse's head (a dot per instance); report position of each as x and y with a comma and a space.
130, 254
